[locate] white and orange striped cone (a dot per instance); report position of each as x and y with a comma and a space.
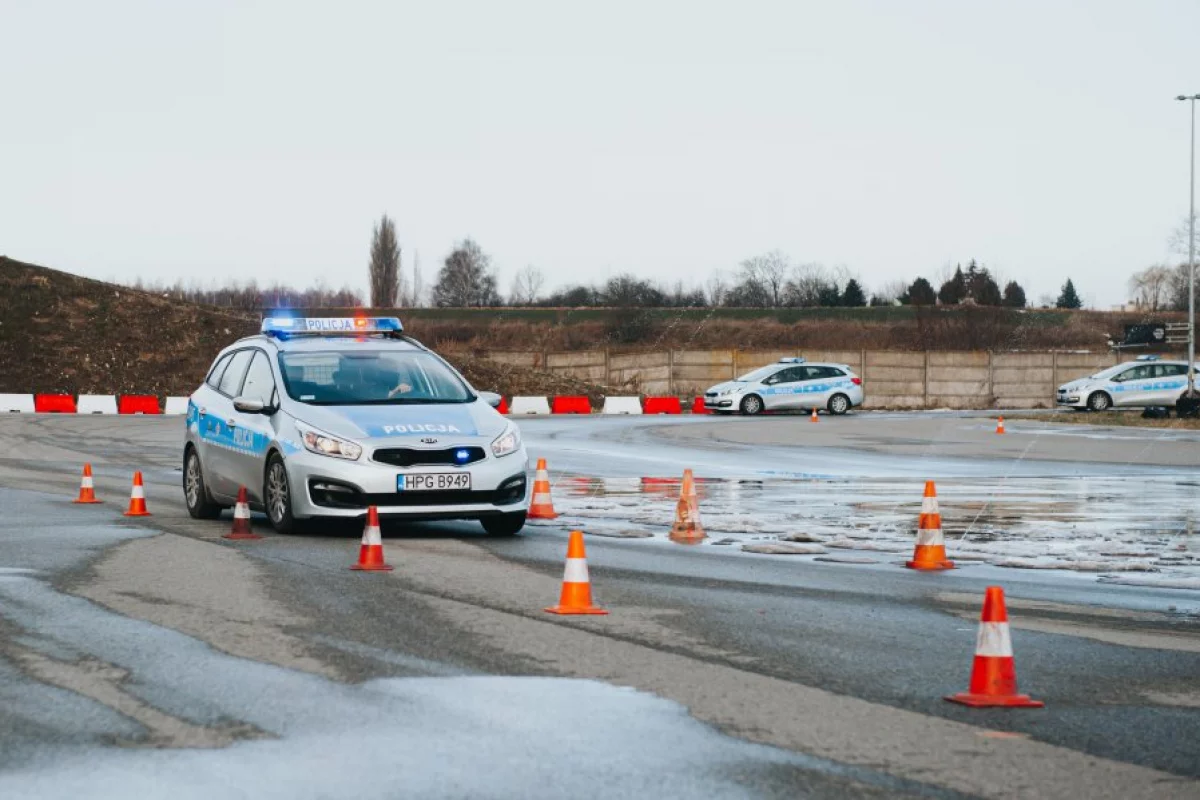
576, 597
137, 498
813, 418
241, 518
930, 552
687, 528
87, 489
370, 554
1000, 425
994, 673
541, 506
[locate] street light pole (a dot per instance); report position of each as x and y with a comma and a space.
1191, 390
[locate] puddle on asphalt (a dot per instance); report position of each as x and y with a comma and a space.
1108, 526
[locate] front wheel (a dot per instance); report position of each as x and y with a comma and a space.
839, 404
277, 492
751, 405
195, 493
1099, 401
504, 524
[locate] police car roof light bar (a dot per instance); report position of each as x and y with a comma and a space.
1147, 358
283, 327
796, 360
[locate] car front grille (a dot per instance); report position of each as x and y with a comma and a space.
413, 457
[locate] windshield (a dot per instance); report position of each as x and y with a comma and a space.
375, 378
758, 374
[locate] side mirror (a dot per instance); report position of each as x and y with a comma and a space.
250, 405
491, 398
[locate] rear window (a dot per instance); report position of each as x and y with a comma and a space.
231, 381
214, 377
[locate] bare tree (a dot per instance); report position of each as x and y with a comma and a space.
887, 293
418, 291
767, 274
466, 279
718, 287
1151, 288
1178, 240
808, 284
384, 267
526, 286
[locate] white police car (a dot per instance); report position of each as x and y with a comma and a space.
790, 384
1147, 381
325, 417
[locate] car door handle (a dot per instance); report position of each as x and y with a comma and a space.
202, 412
231, 423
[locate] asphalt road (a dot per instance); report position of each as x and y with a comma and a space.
152, 657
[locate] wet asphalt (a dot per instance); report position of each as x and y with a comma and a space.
1117, 665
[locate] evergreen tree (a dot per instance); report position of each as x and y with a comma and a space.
954, 290
1068, 298
829, 295
920, 293
981, 286
1014, 295
853, 296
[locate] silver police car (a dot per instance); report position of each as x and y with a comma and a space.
325, 417
1147, 381
791, 384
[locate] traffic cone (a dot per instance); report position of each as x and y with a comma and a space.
1000, 425
137, 498
370, 554
687, 528
541, 507
930, 552
576, 597
87, 491
241, 519
813, 418
994, 675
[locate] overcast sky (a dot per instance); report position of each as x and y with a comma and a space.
218, 141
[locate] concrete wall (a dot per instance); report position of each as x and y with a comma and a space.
893, 379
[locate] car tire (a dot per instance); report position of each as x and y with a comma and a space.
1099, 401
199, 502
277, 497
504, 524
751, 405
838, 405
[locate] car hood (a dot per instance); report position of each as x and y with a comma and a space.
450, 421
1076, 385
727, 385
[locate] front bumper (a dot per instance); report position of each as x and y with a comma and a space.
1074, 398
722, 401
327, 487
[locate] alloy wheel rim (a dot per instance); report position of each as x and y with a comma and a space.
277, 485
839, 405
192, 478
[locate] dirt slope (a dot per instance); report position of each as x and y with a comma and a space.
63, 333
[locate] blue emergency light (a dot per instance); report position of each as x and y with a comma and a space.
795, 360
283, 327
1148, 358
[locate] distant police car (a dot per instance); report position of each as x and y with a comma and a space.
1141, 383
791, 384
325, 417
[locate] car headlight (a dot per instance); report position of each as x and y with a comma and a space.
506, 443
323, 444
725, 392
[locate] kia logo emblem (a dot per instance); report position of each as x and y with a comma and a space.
429, 440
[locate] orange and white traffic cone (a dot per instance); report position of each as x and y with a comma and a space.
1000, 425
930, 552
576, 597
241, 518
994, 674
87, 489
687, 528
541, 506
370, 554
137, 498
813, 418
